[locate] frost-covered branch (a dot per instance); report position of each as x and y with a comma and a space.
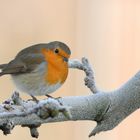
107, 109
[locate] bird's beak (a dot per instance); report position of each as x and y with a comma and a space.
65, 59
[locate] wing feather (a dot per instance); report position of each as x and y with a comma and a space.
22, 64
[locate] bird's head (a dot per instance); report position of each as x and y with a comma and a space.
56, 51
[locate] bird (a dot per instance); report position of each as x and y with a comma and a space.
39, 69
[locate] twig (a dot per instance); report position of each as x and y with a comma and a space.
85, 66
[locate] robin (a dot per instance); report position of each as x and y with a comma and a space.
39, 69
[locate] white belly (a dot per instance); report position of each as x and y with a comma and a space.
34, 83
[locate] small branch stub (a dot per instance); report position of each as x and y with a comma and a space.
6, 127
33, 129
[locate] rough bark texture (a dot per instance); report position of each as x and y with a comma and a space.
107, 109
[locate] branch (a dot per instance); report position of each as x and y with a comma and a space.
107, 109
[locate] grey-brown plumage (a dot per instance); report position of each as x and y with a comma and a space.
21, 63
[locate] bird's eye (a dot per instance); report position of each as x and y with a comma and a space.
56, 51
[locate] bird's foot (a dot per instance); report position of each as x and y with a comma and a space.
49, 96
57, 98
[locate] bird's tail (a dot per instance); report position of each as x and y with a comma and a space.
1, 74
2, 66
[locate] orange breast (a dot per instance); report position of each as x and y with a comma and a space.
56, 73
57, 69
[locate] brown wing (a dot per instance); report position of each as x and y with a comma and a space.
22, 64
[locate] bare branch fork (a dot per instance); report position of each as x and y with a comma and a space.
107, 109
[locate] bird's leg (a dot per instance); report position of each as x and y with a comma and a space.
34, 98
49, 96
